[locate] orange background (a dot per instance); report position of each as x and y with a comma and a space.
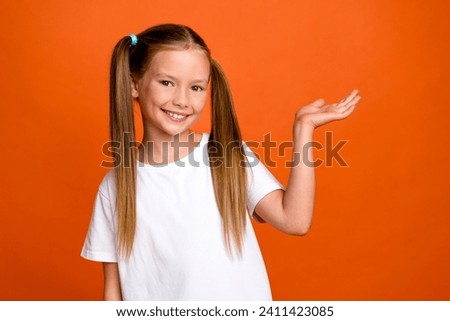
381, 229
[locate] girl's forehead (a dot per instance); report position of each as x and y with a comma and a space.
180, 61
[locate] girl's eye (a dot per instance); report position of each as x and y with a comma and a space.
166, 83
197, 88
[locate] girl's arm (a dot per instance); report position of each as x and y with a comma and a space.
291, 211
112, 291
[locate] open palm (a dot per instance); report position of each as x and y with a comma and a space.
317, 113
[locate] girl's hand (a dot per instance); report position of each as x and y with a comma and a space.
318, 114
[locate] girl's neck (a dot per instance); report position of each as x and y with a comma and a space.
161, 150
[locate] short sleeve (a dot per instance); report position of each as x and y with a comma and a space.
260, 180
100, 242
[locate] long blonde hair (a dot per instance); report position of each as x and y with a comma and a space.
225, 148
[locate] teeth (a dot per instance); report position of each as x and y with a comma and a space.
175, 116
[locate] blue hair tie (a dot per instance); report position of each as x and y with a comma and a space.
134, 39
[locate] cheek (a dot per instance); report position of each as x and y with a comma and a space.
200, 102
154, 97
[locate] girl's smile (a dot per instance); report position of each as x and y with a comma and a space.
176, 116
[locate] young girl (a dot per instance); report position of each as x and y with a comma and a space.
171, 220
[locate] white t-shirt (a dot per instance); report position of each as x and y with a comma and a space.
179, 251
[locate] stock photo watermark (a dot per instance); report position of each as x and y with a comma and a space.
271, 152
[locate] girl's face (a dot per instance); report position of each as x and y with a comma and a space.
172, 93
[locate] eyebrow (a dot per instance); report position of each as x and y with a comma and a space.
173, 78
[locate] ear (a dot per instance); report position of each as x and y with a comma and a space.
134, 88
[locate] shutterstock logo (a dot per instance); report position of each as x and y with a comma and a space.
268, 150
282, 148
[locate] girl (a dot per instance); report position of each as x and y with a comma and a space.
170, 221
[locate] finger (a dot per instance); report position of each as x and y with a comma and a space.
349, 110
350, 105
349, 97
354, 100
346, 112
352, 95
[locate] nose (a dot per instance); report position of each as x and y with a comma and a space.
181, 97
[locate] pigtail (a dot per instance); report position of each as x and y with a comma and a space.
226, 158
122, 133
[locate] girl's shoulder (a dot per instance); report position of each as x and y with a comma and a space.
107, 185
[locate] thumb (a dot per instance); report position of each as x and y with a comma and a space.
318, 102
